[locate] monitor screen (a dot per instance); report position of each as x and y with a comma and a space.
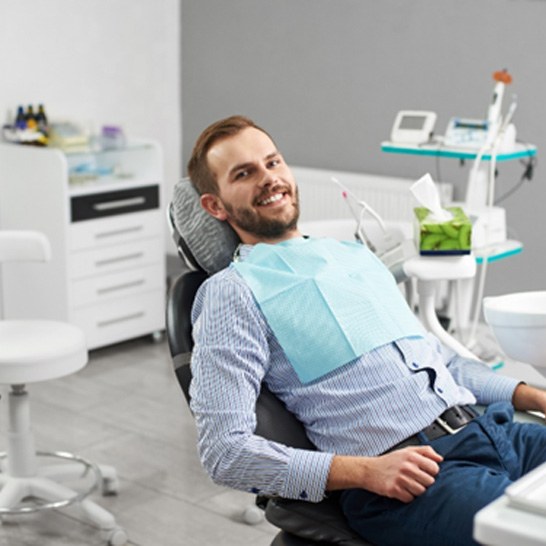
415, 123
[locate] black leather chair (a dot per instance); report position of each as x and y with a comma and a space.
301, 523
206, 245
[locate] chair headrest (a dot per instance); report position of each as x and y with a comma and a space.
203, 241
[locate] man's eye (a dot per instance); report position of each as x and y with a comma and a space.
274, 162
241, 174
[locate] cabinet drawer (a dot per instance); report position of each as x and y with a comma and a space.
116, 285
115, 230
113, 203
90, 263
121, 319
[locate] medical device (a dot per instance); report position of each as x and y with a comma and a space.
360, 233
479, 133
413, 127
466, 133
390, 247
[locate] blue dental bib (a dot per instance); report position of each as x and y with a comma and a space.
327, 302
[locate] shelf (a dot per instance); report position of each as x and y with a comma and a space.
106, 184
497, 251
136, 146
111, 169
439, 150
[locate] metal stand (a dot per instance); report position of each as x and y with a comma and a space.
28, 487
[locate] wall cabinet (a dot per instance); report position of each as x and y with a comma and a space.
103, 213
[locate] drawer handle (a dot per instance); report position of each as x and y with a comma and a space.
116, 287
125, 318
115, 232
117, 259
119, 203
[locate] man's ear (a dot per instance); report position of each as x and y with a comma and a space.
214, 206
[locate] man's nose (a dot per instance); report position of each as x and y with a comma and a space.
267, 178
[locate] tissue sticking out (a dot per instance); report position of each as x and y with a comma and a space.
439, 231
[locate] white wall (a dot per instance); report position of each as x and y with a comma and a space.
97, 62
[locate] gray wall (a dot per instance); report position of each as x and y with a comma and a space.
326, 78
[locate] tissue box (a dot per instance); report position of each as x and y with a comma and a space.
443, 238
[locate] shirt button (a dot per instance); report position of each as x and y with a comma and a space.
415, 365
303, 495
255, 490
439, 390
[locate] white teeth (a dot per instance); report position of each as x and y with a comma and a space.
272, 199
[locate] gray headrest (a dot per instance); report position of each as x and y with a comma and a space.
206, 243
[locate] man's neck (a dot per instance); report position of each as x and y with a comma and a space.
249, 239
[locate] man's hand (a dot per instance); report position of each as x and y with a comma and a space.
527, 398
402, 474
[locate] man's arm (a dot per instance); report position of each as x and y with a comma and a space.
230, 358
528, 398
402, 474
484, 383
489, 386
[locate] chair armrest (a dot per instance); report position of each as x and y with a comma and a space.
24, 246
321, 522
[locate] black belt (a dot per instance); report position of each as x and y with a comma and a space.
451, 421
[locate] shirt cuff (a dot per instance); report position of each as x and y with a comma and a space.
307, 475
498, 388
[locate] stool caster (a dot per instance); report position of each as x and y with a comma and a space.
157, 336
253, 515
110, 487
114, 537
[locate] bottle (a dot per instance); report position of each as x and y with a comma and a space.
41, 120
30, 118
20, 122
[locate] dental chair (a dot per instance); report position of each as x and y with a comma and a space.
206, 246
32, 351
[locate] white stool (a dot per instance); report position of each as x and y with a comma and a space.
32, 351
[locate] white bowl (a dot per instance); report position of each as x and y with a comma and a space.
519, 324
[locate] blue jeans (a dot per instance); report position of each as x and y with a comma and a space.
479, 463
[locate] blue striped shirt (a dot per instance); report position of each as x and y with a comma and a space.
363, 408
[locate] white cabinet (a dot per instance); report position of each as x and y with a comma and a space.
103, 214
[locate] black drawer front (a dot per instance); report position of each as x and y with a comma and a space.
113, 203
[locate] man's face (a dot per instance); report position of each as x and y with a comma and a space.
257, 192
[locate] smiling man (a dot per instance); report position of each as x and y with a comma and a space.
254, 188
323, 324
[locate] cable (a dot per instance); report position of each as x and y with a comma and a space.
528, 173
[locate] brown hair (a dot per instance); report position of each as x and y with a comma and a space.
198, 168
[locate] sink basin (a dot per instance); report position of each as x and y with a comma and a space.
518, 322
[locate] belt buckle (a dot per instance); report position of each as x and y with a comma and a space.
445, 425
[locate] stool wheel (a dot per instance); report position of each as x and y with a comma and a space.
253, 515
110, 487
115, 537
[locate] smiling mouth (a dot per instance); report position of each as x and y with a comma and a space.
271, 199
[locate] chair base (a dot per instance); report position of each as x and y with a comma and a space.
42, 491
15, 489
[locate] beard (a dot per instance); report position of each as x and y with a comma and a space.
250, 221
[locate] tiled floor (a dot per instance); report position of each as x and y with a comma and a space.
125, 409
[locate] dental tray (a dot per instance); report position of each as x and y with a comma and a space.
529, 492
